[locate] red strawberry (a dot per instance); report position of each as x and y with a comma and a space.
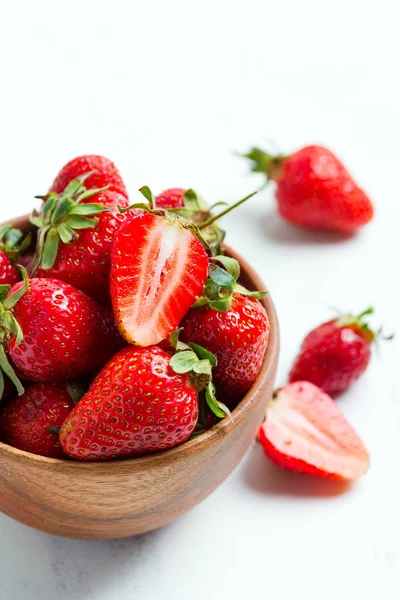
158, 270
171, 198
53, 332
9, 390
314, 189
72, 245
237, 337
336, 353
25, 422
136, 405
104, 173
305, 431
11, 248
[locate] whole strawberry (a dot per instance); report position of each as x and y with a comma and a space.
136, 405
27, 422
231, 323
314, 189
75, 234
51, 331
304, 431
336, 353
11, 248
103, 173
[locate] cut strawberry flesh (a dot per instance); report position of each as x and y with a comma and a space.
159, 269
305, 431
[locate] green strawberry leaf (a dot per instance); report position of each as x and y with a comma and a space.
218, 408
231, 265
183, 362
66, 233
78, 222
50, 248
203, 353
190, 200
242, 290
9, 371
148, 194
222, 278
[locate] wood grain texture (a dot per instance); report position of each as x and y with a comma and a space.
124, 498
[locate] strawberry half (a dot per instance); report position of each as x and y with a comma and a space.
158, 270
305, 431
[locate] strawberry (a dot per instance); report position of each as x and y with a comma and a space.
230, 322
72, 245
52, 332
314, 189
136, 405
158, 269
11, 248
171, 198
103, 173
29, 422
305, 431
336, 353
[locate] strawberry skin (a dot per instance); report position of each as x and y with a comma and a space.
158, 270
105, 173
66, 333
24, 421
314, 189
136, 405
171, 198
8, 272
85, 262
332, 356
304, 431
237, 337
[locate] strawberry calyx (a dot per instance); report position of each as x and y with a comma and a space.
222, 285
12, 242
198, 362
362, 326
62, 216
263, 162
195, 216
9, 327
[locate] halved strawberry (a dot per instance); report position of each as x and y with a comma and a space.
158, 270
305, 431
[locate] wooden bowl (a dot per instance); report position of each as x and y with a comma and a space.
127, 497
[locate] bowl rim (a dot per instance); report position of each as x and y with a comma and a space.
222, 428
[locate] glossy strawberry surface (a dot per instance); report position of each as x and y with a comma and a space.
171, 198
237, 337
24, 421
65, 333
332, 356
314, 189
105, 173
136, 405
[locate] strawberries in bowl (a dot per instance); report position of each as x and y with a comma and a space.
153, 379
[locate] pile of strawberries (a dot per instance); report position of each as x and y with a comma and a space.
125, 329
129, 324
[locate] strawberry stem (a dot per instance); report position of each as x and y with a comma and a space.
227, 210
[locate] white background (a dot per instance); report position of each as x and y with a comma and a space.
168, 90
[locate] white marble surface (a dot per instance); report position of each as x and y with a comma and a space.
168, 90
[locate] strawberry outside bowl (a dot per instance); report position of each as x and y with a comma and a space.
127, 497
